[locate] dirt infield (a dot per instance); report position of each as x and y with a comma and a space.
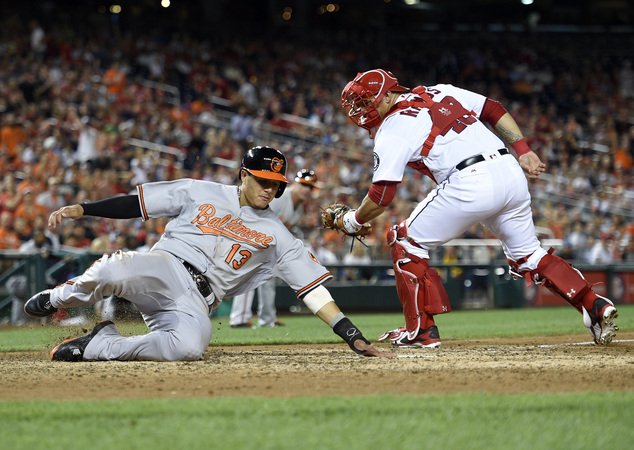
552, 364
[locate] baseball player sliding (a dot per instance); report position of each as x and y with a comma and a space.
290, 209
440, 131
221, 241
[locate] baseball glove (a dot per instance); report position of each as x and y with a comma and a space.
332, 217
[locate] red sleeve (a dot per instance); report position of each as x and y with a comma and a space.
492, 112
382, 193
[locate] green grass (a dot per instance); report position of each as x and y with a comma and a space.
551, 321
559, 421
553, 421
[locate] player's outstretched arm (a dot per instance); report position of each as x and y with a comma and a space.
118, 207
66, 212
367, 349
321, 303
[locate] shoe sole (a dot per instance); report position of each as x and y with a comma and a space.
46, 312
608, 326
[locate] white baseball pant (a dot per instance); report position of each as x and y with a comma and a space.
493, 192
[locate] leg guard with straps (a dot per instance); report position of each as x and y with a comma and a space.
419, 287
560, 278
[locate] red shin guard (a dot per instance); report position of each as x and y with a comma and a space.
420, 290
559, 277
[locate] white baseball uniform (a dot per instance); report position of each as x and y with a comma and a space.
242, 304
493, 192
235, 248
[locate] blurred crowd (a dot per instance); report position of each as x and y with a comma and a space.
85, 116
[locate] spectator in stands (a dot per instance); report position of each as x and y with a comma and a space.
89, 141
546, 98
600, 250
37, 39
16, 285
10, 197
241, 127
150, 239
115, 80
51, 199
21, 228
29, 182
12, 137
29, 210
9, 240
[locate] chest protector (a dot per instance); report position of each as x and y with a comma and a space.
447, 114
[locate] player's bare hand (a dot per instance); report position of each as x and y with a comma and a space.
370, 350
67, 212
532, 165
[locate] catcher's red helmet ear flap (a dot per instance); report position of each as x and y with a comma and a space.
266, 162
362, 95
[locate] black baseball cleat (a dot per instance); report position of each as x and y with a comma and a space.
72, 350
40, 305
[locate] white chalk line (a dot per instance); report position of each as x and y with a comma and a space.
579, 343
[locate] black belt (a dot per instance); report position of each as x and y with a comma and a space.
478, 158
201, 282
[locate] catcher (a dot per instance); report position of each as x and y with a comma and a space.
440, 132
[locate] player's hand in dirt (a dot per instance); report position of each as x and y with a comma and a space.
370, 350
66, 212
531, 164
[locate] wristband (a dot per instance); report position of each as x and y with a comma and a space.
349, 333
520, 147
349, 222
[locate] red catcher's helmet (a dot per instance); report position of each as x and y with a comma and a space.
266, 162
363, 94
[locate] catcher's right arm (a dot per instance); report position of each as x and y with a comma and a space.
340, 217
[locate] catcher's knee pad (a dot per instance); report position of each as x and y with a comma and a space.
396, 232
559, 277
419, 287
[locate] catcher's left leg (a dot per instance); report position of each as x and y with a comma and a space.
562, 279
421, 294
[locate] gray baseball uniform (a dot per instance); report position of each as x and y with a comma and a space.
242, 304
235, 248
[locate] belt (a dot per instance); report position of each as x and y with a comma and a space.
201, 282
478, 158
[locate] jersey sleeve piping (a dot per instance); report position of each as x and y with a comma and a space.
319, 281
142, 203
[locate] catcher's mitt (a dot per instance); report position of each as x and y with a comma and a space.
332, 217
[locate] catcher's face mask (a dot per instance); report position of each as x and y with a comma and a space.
361, 97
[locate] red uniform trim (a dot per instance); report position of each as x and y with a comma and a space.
492, 112
382, 193
520, 147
